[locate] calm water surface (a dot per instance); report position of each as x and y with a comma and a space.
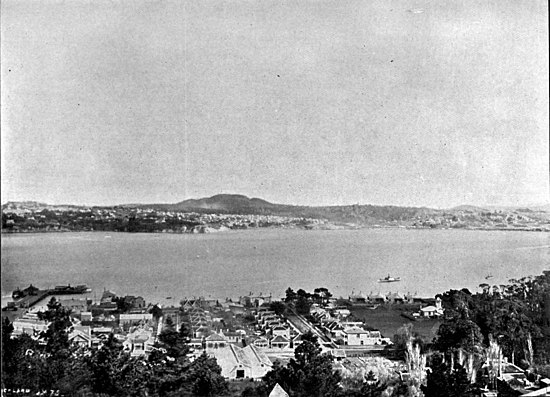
235, 263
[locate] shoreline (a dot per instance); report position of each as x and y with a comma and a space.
334, 228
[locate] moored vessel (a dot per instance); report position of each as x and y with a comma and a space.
389, 279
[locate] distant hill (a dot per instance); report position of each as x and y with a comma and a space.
226, 202
240, 204
470, 208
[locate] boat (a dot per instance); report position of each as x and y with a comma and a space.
67, 289
389, 279
18, 294
487, 277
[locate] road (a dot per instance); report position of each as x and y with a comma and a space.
304, 326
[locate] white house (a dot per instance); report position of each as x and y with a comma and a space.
139, 342
356, 336
433, 311
239, 363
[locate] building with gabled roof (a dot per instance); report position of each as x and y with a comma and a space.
280, 329
358, 298
280, 342
278, 391
240, 363
261, 343
356, 336
215, 341
377, 298
81, 335
395, 297
139, 342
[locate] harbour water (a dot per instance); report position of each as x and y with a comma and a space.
234, 263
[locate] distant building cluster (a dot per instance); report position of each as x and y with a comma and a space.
25, 217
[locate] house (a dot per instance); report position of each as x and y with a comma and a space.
240, 363
278, 391
81, 336
202, 332
255, 300
102, 331
261, 343
269, 325
107, 297
76, 306
357, 298
126, 319
410, 298
103, 307
342, 312
298, 340
233, 336
215, 341
263, 312
377, 298
280, 342
395, 298
433, 311
237, 308
29, 324
139, 342
334, 329
267, 318
319, 313
188, 304
196, 343
85, 316
356, 336
338, 354
134, 302
280, 330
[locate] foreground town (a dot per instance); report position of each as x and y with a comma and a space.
489, 343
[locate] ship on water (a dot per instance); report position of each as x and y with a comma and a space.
67, 289
389, 279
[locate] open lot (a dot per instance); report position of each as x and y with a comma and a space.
388, 320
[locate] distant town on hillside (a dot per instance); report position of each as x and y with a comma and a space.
231, 211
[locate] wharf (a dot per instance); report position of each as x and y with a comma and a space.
30, 300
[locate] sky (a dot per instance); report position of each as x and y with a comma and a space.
311, 102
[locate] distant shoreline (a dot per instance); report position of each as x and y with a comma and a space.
326, 228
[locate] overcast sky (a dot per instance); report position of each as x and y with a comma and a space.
435, 103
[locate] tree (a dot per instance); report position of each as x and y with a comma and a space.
309, 373
323, 294
459, 334
278, 307
156, 311
290, 295
56, 336
173, 342
207, 375
303, 305
105, 364
443, 381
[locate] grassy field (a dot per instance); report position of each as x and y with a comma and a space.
388, 319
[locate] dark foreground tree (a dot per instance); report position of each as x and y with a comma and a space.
309, 373
206, 373
442, 381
